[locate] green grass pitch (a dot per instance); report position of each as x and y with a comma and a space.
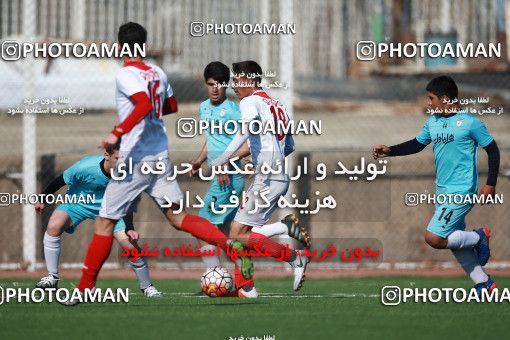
324, 309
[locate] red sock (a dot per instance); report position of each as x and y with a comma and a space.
97, 253
204, 230
239, 279
266, 245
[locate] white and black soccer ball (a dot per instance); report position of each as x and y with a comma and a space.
217, 281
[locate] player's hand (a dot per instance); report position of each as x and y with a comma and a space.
109, 141
39, 207
223, 179
133, 235
195, 166
488, 190
380, 151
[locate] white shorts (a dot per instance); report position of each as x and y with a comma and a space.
121, 196
254, 216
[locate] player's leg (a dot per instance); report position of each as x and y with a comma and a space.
212, 260
290, 226
195, 225
59, 220
245, 287
273, 229
214, 197
241, 284
204, 230
208, 261
138, 264
458, 239
469, 262
446, 230
98, 251
252, 216
162, 190
253, 240
119, 198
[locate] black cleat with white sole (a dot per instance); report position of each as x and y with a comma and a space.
296, 231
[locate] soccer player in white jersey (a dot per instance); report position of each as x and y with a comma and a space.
219, 109
143, 96
266, 149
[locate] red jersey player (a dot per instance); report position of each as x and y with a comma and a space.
143, 96
266, 148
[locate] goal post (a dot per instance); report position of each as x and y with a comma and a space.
29, 180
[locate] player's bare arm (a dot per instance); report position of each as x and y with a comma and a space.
242, 152
236, 147
197, 163
238, 142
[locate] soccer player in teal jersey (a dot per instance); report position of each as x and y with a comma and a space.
455, 135
88, 176
219, 110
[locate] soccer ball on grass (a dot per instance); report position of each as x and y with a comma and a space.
216, 281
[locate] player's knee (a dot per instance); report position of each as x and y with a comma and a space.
54, 228
175, 219
435, 241
241, 235
104, 226
234, 234
122, 238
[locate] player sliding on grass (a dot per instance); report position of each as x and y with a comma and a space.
89, 176
266, 149
143, 96
219, 109
456, 135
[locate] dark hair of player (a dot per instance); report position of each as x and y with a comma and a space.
217, 71
443, 86
248, 67
111, 149
132, 33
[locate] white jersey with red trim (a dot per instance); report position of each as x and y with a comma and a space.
147, 140
267, 147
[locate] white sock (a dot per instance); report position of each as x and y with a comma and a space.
469, 262
460, 239
273, 229
210, 261
51, 253
141, 270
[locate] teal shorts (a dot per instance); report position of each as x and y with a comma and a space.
448, 218
217, 196
79, 213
